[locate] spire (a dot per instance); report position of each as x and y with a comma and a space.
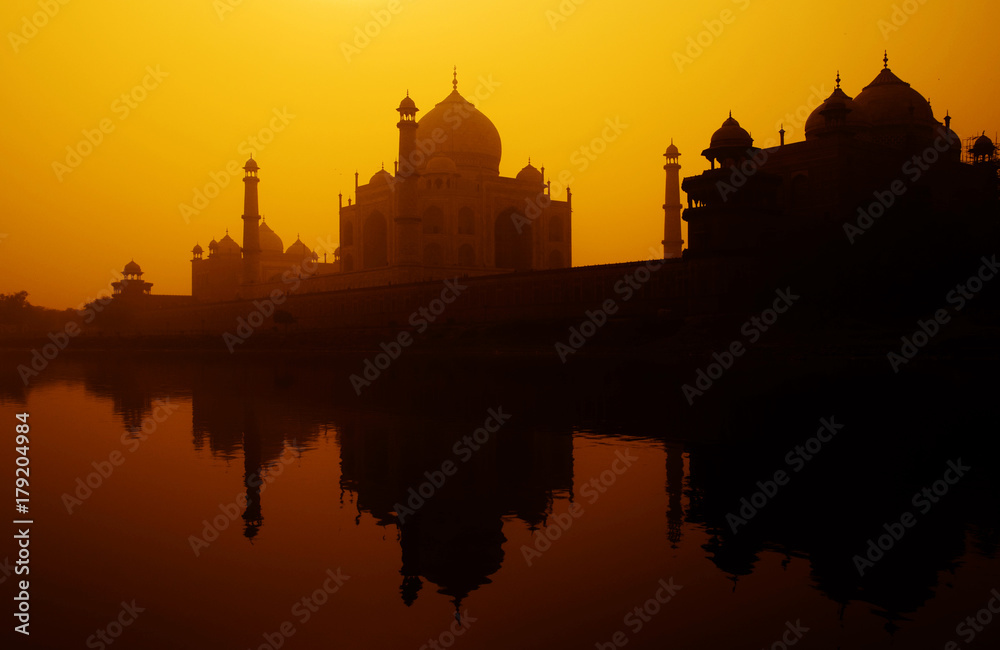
838, 78
454, 79
885, 60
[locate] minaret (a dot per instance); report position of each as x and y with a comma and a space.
251, 224
407, 126
672, 241
407, 220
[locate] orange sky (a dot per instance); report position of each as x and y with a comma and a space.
217, 71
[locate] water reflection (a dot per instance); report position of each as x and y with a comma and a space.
454, 539
896, 441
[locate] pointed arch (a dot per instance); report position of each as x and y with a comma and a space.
376, 241
512, 240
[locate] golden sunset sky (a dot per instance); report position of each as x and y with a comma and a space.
549, 74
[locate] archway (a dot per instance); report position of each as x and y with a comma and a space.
512, 241
376, 252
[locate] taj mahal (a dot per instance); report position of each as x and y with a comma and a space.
444, 211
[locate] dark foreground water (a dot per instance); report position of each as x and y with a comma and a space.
185, 503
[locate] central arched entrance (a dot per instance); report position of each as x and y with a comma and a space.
512, 236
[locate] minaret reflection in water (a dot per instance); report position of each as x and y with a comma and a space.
455, 539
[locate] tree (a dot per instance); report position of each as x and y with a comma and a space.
14, 309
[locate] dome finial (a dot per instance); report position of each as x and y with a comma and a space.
454, 78
838, 78
730, 113
885, 59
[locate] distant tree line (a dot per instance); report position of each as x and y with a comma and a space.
18, 316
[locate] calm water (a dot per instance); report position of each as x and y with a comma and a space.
546, 533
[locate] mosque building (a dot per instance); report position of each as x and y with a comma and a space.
445, 212
446, 209
769, 198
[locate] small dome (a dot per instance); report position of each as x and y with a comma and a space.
381, 176
228, 246
836, 112
440, 165
672, 150
530, 175
731, 134
299, 250
197, 250
251, 165
269, 240
983, 146
132, 269
407, 104
212, 245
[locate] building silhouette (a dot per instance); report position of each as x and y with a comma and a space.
759, 215
131, 283
780, 196
231, 271
447, 209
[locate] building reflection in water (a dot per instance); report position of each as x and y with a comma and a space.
455, 540
846, 493
675, 492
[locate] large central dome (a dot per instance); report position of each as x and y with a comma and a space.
469, 137
888, 100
